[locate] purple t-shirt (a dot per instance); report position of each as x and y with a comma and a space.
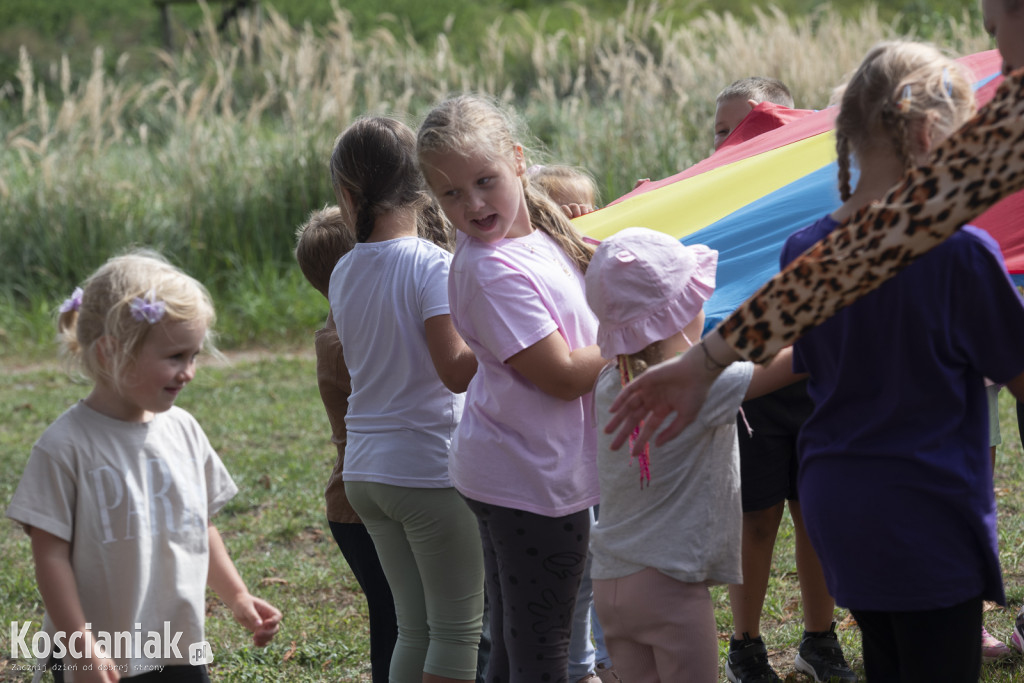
895, 478
516, 446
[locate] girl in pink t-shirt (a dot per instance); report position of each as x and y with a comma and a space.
524, 453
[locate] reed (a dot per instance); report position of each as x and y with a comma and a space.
217, 156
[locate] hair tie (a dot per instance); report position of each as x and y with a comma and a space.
947, 81
903, 106
535, 169
72, 303
149, 310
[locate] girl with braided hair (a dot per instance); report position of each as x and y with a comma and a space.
389, 298
915, 469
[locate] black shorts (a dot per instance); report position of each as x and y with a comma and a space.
768, 459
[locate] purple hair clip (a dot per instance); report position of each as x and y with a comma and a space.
150, 309
74, 302
534, 170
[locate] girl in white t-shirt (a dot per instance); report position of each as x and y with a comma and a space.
389, 298
523, 455
670, 523
118, 492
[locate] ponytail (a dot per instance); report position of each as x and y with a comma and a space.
547, 216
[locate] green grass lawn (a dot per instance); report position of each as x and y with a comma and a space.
265, 418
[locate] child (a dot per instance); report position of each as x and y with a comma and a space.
523, 455
575, 190
320, 243
901, 428
118, 491
768, 462
737, 100
667, 533
389, 298
566, 186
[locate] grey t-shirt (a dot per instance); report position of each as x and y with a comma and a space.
686, 522
133, 499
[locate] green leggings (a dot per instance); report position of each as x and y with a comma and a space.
429, 548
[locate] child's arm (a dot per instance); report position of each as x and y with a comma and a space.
774, 375
556, 370
453, 360
255, 614
56, 580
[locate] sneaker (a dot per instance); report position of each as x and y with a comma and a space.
1017, 637
607, 674
993, 649
821, 657
748, 661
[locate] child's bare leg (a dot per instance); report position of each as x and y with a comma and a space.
760, 528
818, 605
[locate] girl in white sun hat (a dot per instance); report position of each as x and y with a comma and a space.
670, 522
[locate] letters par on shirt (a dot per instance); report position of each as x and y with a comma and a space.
151, 504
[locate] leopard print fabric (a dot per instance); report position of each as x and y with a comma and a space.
970, 171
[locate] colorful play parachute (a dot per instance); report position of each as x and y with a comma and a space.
746, 198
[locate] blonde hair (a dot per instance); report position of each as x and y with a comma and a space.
898, 83
374, 160
320, 242
565, 184
104, 317
473, 124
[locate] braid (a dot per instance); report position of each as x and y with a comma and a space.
547, 216
900, 131
365, 220
843, 151
434, 226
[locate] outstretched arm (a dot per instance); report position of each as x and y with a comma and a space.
974, 168
679, 385
980, 164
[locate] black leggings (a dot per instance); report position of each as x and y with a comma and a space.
356, 545
533, 566
922, 647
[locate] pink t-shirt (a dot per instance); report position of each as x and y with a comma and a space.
517, 446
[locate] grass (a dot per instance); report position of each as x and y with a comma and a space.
265, 419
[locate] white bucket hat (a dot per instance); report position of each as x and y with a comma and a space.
645, 286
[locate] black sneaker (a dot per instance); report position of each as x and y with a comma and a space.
748, 661
821, 657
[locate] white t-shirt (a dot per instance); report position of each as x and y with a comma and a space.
517, 446
400, 418
133, 499
687, 521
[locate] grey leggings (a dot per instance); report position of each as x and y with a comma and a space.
430, 552
533, 565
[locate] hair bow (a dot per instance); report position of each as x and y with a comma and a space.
150, 309
72, 303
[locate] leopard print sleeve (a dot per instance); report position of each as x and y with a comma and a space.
973, 169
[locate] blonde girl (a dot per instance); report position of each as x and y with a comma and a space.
523, 455
900, 423
118, 492
389, 298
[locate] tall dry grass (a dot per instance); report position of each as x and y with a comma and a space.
218, 156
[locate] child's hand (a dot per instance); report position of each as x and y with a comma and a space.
576, 210
258, 616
